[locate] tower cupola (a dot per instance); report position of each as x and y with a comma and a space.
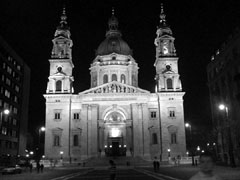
62, 44
167, 77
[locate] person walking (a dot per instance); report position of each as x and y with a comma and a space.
206, 168
155, 164
41, 168
30, 167
112, 170
38, 167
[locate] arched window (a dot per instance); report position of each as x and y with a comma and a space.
59, 85
154, 138
56, 141
105, 78
114, 77
123, 79
75, 140
169, 83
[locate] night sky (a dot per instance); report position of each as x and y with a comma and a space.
199, 28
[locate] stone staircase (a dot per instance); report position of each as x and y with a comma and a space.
119, 161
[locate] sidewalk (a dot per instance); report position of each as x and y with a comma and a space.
227, 173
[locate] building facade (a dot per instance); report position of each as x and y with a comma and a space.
14, 96
114, 117
224, 89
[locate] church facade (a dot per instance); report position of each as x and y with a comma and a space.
114, 117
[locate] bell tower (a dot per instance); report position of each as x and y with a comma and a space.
61, 66
166, 63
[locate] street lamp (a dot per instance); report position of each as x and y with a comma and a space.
188, 125
169, 150
61, 153
230, 145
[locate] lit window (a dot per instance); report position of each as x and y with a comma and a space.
19, 67
17, 88
9, 70
4, 130
15, 99
15, 110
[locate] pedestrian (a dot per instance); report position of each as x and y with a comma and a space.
178, 160
38, 167
112, 170
41, 168
155, 164
30, 167
206, 168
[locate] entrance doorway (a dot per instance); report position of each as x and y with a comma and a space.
115, 147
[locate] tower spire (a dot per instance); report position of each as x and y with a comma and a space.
113, 25
63, 21
162, 16
112, 11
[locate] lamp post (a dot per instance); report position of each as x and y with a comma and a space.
61, 153
41, 129
169, 151
40, 149
188, 126
223, 107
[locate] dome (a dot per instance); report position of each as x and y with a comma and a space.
113, 44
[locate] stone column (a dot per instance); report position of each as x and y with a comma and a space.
89, 130
145, 119
137, 130
94, 130
129, 137
84, 139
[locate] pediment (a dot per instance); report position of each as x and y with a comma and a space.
114, 87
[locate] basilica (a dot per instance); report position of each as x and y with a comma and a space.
114, 117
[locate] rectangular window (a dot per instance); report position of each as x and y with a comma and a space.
57, 115
76, 116
14, 134
154, 138
17, 88
4, 130
172, 112
15, 110
173, 138
14, 122
153, 114
75, 140
56, 140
